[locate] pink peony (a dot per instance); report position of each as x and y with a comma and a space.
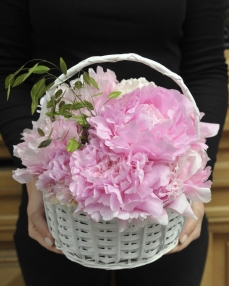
151, 119
143, 154
107, 83
157, 127
37, 159
106, 184
56, 177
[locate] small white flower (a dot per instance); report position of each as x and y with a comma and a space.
126, 86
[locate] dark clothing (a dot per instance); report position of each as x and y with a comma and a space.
184, 35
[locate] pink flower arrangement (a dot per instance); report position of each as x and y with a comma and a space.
142, 154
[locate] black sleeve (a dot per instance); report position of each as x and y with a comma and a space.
15, 47
203, 65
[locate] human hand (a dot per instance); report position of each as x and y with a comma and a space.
37, 225
191, 229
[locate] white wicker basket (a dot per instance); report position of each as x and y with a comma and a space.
100, 244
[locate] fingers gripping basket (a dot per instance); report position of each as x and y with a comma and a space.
101, 244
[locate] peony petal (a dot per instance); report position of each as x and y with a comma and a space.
182, 206
208, 129
107, 213
96, 216
153, 206
122, 225
198, 194
22, 176
162, 219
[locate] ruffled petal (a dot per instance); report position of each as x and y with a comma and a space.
182, 206
198, 194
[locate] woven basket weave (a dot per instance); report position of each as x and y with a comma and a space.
100, 244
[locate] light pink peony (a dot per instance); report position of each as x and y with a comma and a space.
143, 156
50, 165
107, 83
151, 119
56, 177
106, 184
143, 146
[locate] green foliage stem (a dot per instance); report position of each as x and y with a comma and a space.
58, 105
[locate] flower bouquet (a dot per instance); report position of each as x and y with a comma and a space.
118, 162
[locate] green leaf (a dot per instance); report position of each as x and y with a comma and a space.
97, 94
77, 105
86, 78
94, 83
31, 71
40, 69
49, 113
67, 114
41, 132
67, 106
114, 94
38, 88
45, 143
8, 92
49, 86
63, 109
63, 66
78, 84
61, 104
17, 72
88, 105
9, 80
53, 111
58, 100
58, 93
37, 91
76, 145
51, 103
20, 79
73, 145
50, 134
82, 120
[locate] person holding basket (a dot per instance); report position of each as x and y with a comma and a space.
185, 36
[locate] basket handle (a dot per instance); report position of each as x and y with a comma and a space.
135, 58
